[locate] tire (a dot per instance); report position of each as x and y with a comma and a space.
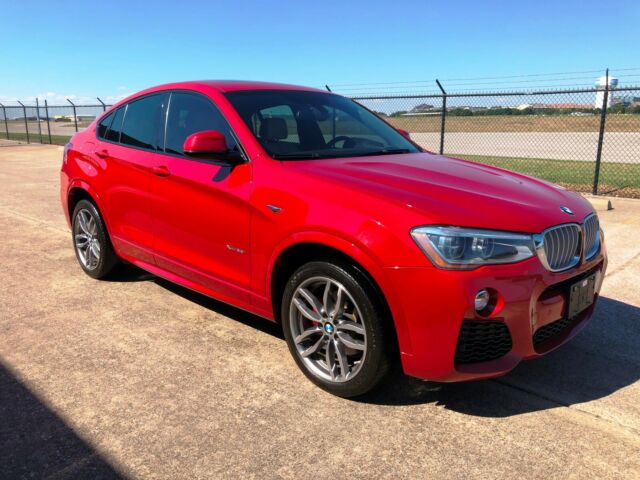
91, 242
345, 347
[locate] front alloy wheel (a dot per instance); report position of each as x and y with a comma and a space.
328, 330
334, 324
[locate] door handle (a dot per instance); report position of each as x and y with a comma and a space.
161, 170
102, 153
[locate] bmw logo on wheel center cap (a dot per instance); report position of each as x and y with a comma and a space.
328, 328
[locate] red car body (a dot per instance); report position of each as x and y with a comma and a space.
154, 208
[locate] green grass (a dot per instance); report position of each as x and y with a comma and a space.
35, 138
615, 177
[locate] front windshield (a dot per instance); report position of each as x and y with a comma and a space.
294, 124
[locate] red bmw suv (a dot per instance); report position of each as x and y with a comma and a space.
305, 208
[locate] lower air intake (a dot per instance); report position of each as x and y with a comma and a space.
481, 341
551, 330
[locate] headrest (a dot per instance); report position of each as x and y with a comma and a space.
273, 128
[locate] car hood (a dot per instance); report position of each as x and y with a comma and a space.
449, 191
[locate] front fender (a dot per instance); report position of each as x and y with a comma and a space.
360, 255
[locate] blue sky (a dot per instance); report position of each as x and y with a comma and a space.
112, 48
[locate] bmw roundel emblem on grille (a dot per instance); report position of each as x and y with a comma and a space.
566, 210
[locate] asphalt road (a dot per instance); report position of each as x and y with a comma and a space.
137, 378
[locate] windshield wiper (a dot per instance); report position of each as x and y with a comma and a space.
307, 156
299, 156
390, 151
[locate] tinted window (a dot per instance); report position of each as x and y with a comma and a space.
113, 134
301, 125
190, 113
104, 124
143, 121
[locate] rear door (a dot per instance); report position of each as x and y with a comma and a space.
133, 134
201, 209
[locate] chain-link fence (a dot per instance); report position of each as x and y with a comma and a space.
585, 139
43, 123
563, 136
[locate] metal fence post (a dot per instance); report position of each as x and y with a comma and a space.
603, 120
26, 126
75, 117
6, 124
104, 107
46, 112
444, 115
38, 119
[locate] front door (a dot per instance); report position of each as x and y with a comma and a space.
201, 210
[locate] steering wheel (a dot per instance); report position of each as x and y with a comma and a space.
340, 138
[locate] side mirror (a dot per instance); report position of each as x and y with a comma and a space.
209, 144
404, 133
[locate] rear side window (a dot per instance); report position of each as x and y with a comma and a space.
104, 125
190, 113
143, 121
113, 134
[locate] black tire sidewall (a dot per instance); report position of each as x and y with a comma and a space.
108, 258
376, 363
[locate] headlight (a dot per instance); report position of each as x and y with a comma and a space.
454, 247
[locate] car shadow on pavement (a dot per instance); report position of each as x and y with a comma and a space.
599, 361
128, 272
36, 443
222, 308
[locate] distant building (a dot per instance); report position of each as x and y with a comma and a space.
70, 118
627, 101
470, 108
423, 107
568, 106
602, 82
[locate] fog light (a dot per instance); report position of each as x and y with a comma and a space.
482, 300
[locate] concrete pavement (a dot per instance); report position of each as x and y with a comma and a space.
623, 147
138, 378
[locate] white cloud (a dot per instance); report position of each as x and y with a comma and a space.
115, 98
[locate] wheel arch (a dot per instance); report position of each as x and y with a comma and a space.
81, 190
304, 249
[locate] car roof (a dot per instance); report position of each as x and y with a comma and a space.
222, 86
235, 85
227, 86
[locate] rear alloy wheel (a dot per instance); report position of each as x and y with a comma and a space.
91, 241
334, 328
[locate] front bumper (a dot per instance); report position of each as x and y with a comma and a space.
429, 306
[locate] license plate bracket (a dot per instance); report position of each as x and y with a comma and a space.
581, 295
